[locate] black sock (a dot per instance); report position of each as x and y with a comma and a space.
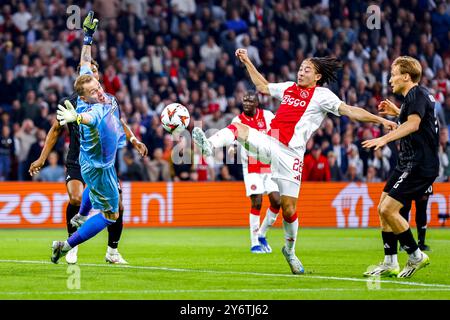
421, 233
421, 219
71, 211
115, 231
407, 241
389, 243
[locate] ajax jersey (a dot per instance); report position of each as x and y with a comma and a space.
301, 112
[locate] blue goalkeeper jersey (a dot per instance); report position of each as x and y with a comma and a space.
100, 139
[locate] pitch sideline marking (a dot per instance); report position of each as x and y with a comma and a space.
305, 276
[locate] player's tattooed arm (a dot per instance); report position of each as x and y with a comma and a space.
50, 141
86, 56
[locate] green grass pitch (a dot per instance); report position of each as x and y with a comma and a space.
215, 264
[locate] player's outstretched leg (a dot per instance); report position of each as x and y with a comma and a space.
222, 138
88, 230
201, 141
58, 251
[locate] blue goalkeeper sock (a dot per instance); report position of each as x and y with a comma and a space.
86, 204
89, 229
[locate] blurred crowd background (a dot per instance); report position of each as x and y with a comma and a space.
152, 53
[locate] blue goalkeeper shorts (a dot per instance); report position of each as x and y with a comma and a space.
102, 183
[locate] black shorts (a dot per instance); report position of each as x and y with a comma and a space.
405, 187
429, 191
73, 172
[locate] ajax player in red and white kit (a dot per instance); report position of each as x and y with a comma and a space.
257, 175
303, 107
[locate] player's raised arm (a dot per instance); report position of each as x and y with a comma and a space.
89, 27
257, 78
50, 141
139, 146
359, 114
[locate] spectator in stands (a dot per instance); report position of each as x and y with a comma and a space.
371, 175
444, 155
380, 163
224, 174
53, 172
30, 108
25, 136
157, 169
335, 170
133, 171
6, 152
315, 166
357, 165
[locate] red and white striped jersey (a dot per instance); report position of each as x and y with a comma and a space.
261, 122
301, 111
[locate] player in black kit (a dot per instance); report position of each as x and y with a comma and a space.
417, 166
74, 180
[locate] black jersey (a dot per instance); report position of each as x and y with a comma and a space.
74, 133
419, 150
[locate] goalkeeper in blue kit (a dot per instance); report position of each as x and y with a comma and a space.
101, 133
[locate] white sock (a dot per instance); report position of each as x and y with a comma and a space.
254, 229
111, 250
222, 138
391, 259
268, 221
416, 255
66, 246
290, 235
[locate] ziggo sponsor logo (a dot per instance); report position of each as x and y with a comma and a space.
295, 102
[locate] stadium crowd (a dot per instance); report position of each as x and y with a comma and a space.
152, 53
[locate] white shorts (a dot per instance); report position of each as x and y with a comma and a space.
259, 183
286, 163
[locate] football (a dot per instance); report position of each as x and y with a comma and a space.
175, 118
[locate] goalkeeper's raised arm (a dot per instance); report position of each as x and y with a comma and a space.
90, 25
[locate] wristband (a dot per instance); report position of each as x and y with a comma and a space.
87, 40
133, 138
79, 118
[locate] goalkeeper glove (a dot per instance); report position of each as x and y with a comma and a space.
89, 26
67, 114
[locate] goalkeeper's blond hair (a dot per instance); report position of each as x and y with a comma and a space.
80, 82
